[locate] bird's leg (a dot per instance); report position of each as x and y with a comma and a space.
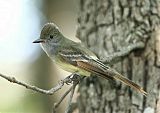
116, 56
72, 78
75, 78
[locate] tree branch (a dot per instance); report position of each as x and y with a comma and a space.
34, 88
73, 78
116, 56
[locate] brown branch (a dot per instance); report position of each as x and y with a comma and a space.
34, 88
70, 98
73, 78
116, 56
61, 99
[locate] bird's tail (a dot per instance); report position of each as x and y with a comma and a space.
128, 82
109, 73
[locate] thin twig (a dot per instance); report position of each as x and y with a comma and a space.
116, 56
34, 88
56, 105
71, 96
73, 107
71, 78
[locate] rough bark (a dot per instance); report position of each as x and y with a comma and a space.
107, 26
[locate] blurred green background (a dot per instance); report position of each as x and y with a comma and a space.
20, 24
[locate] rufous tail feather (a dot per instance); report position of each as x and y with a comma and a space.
111, 74
130, 83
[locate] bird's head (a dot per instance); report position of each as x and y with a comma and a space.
49, 34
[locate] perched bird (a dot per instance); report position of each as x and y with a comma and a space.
75, 58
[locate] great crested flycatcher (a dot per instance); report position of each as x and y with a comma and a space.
73, 57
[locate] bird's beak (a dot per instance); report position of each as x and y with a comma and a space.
39, 41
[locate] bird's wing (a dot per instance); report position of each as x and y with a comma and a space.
82, 60
76, 56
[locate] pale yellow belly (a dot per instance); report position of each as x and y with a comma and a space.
70, 68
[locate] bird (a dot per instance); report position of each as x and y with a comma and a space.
76, 58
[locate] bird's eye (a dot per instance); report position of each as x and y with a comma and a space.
51, 36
